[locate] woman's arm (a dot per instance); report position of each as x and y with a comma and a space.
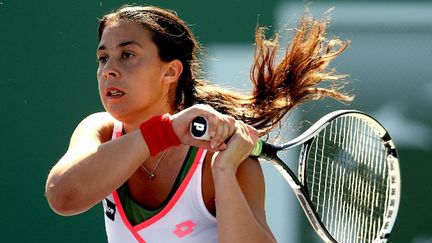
240, 204
94, 166
91, 168
240, 191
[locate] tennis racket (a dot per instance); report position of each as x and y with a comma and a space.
348, 181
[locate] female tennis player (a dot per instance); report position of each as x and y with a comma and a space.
156, 182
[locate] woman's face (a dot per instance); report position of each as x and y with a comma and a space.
130, 73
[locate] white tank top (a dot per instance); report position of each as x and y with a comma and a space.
184, 219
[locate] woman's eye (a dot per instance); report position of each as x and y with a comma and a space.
102, 59
127, 55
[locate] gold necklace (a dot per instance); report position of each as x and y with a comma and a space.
151, 174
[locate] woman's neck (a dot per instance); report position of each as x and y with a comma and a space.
134, 123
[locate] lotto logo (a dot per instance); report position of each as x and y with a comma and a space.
184, 229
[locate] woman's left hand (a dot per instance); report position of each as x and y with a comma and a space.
238, 147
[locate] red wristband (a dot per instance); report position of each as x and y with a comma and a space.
159, 134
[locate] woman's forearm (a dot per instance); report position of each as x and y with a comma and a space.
88, 173
236, 220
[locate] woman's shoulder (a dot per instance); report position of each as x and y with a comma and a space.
99, 124
97, 121
99, 117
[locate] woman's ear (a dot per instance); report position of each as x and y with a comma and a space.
173, 71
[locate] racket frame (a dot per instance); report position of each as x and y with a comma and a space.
269, 152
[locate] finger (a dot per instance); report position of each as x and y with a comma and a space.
232, 125
222, 147
253, 133
219, 134
248, 132
226, 133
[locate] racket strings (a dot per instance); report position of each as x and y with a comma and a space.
348, 179
345, 163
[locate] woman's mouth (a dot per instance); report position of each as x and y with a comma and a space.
114, 93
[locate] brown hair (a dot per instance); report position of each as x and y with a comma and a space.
301, 75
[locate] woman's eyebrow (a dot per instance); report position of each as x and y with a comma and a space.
122, 44
127, 43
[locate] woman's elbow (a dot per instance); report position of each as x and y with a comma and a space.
63, 199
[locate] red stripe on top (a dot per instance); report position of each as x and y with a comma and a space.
176, 196
134, 229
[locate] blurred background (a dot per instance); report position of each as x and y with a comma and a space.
47, 74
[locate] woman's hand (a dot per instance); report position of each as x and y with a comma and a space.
238, 147
234, 139
221, 127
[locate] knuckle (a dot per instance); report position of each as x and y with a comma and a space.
230, 118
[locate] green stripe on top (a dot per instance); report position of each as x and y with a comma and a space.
135, 212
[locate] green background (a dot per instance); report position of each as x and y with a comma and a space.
47, 77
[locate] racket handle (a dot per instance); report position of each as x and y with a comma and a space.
257, 149
199, 130
264, 150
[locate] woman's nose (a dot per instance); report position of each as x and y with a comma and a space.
110, 69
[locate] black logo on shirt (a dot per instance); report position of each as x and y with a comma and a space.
110, 208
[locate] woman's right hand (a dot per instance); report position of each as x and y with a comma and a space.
221, 127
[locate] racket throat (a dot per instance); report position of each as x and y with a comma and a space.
267, 151
312, 216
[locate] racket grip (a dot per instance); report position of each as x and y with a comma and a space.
264, 150
257, 149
